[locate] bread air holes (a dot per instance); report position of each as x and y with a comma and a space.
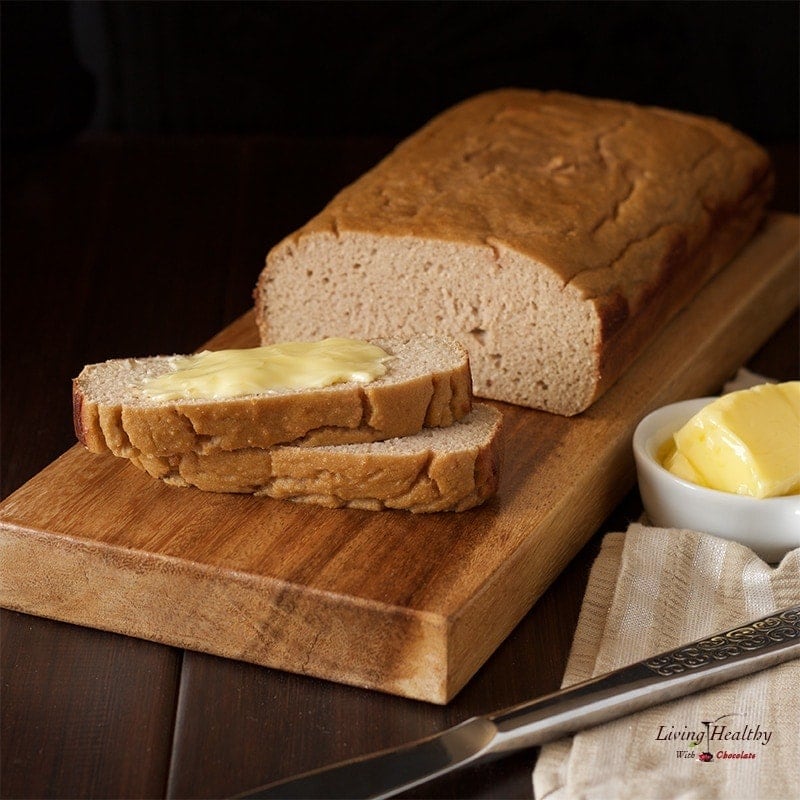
310, 274
438, 268
479, 334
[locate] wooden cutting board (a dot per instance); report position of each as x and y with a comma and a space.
406, 604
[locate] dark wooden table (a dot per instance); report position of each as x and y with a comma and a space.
122, 247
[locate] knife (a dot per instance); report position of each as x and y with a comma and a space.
699, 665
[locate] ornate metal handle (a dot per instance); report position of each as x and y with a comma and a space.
675, 673
780, 627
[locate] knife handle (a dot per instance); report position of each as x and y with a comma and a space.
707, 662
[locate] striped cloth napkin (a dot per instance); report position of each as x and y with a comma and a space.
650, 590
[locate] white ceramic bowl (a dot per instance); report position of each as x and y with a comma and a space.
768, 526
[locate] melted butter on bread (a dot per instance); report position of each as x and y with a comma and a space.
290, 365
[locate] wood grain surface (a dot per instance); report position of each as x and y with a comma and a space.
407, 604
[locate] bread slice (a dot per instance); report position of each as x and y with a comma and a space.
437, 469
553, 235
428, 383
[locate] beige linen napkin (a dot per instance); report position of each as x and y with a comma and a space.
650, 590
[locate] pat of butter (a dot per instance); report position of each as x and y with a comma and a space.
746, 442
221, 374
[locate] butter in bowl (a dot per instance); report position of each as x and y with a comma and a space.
727, 466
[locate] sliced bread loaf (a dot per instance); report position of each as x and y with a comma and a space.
553, 235
437, 469
427, 383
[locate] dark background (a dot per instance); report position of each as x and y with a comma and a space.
380, 68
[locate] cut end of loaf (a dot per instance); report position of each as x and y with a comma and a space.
538, 228
532, 340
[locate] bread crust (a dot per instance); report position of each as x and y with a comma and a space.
612, 215
429, 472
677, 284
128, 426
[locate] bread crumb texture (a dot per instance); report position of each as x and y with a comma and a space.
531, 226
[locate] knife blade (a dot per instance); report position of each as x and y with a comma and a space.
701, 664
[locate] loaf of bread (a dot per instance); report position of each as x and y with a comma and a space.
552, 235
437, 469
427, 383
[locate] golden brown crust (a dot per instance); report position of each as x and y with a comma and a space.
676, 286
78, 421
626, 172
619, 208
429, 472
